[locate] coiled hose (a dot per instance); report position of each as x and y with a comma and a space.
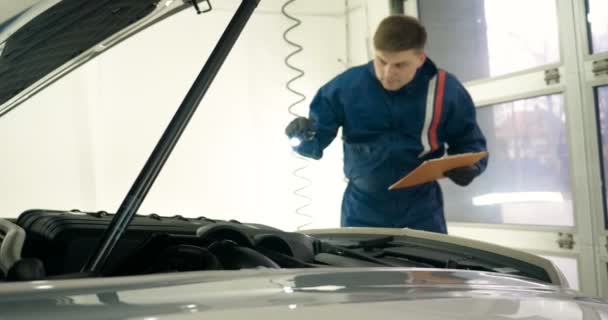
306, 182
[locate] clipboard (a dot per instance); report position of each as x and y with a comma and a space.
434, 169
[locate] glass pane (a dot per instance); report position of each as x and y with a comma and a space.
601, 95
477, 39
569, 267
527, 180
597, 18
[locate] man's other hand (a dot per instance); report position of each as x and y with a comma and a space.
463, 176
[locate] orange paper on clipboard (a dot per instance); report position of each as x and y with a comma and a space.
434, 169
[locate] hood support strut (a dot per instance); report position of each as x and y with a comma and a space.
164, 147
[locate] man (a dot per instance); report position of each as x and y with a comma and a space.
395, 112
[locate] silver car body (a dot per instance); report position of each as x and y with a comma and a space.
352, 293
299, 294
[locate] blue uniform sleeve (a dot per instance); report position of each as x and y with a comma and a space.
326, 114
462, 131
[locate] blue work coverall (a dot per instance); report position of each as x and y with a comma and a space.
386, 134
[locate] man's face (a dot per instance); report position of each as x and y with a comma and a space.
396, 69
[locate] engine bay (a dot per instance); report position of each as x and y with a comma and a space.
47, 244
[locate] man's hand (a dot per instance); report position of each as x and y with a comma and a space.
301, 128
463, 176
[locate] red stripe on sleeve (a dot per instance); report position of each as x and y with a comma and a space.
437, 114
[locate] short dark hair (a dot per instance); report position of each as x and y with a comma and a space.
399, 33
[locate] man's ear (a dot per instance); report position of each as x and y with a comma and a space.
422, 57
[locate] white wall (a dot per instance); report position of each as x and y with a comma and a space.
363, 19
359, 35
81, 143
45, 158
410, 7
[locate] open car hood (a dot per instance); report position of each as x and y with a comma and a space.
41, 41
